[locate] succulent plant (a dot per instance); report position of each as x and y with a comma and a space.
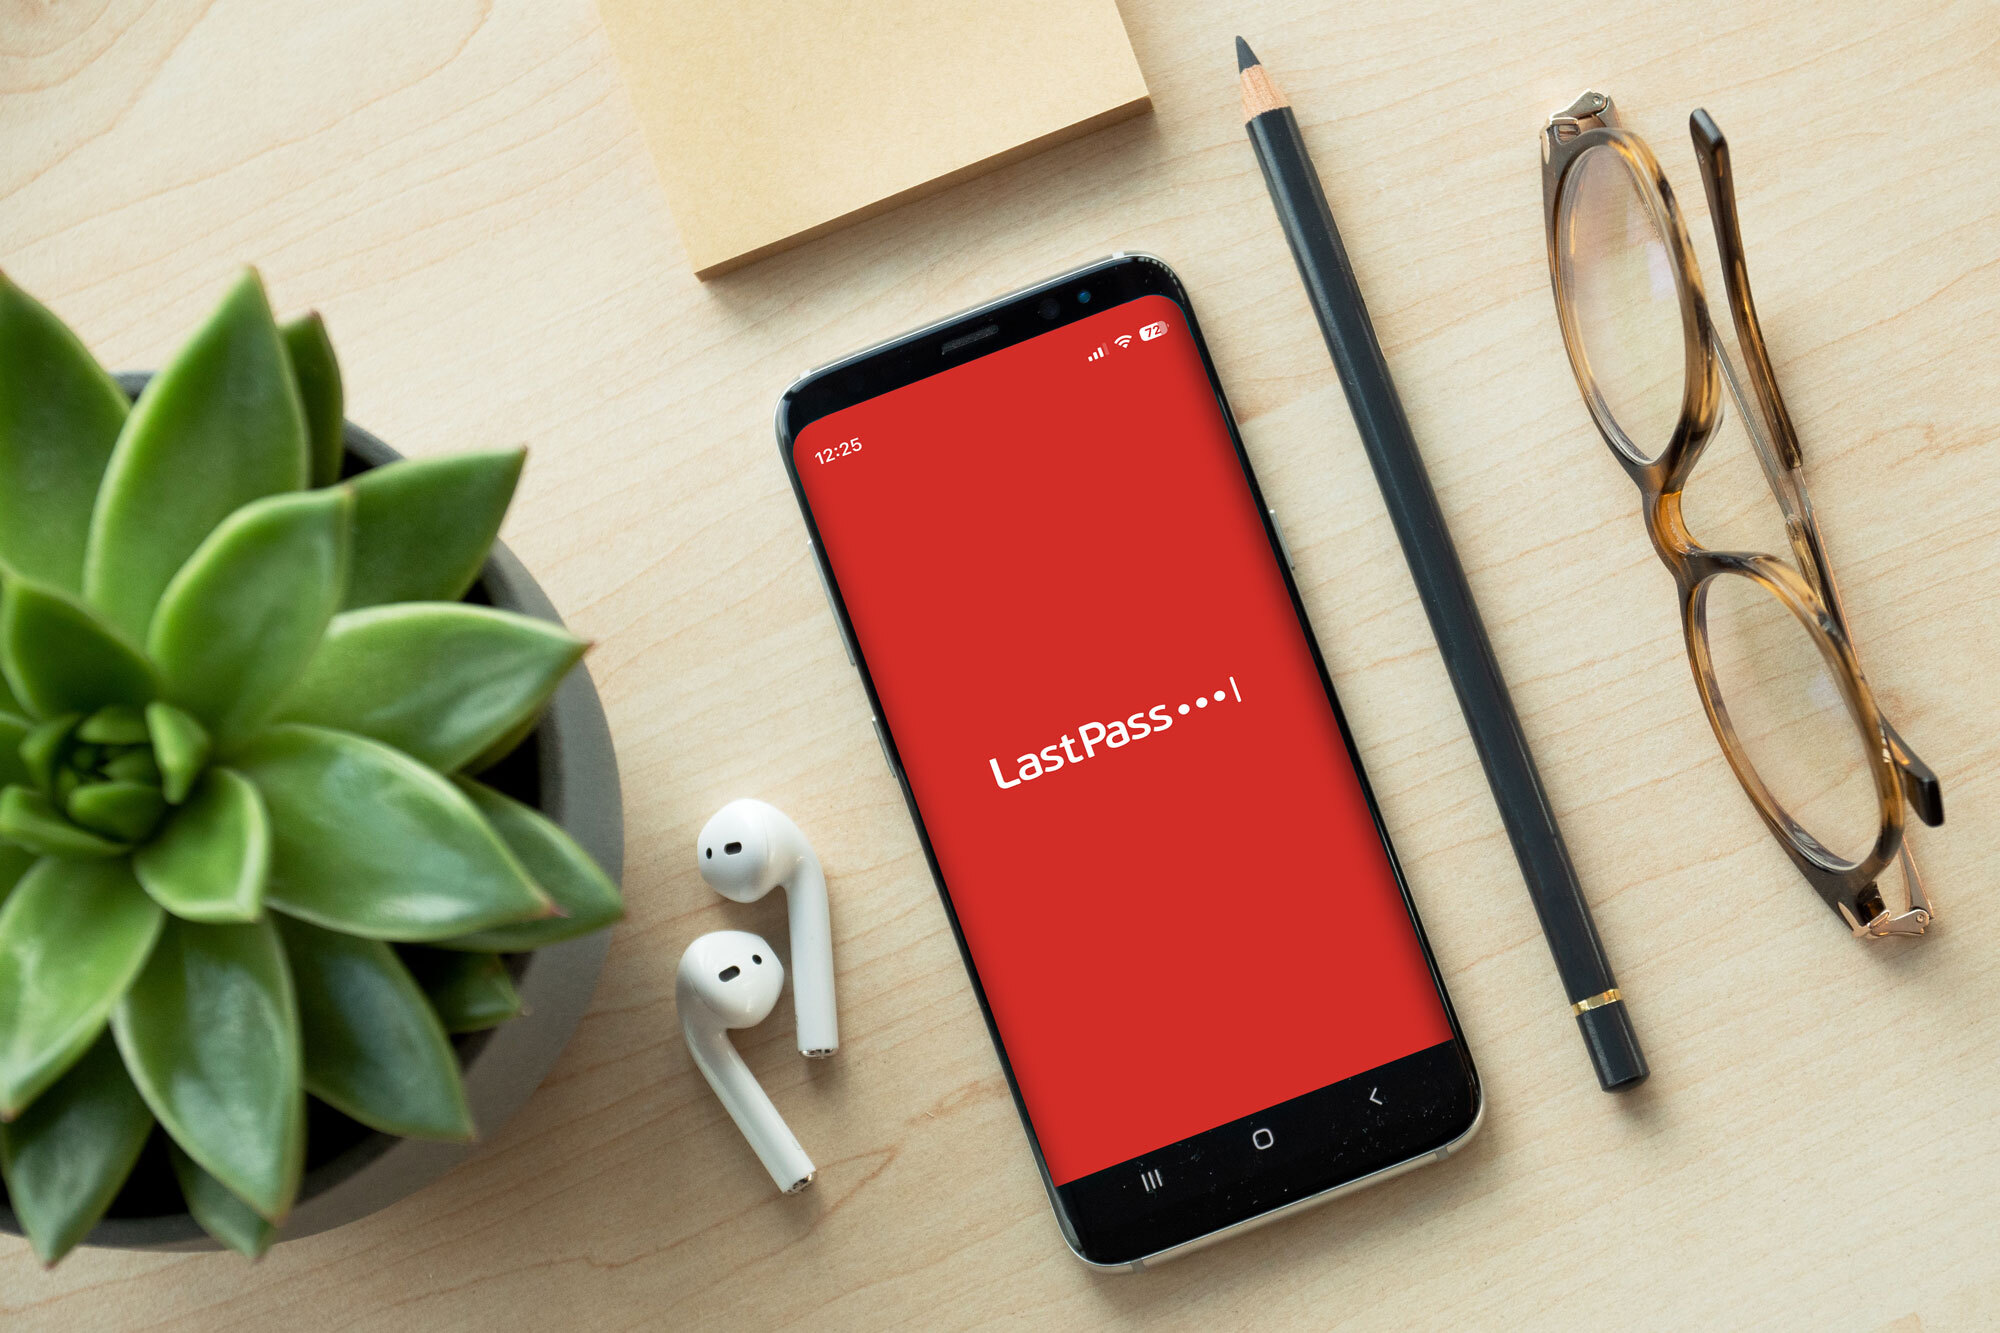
242, 860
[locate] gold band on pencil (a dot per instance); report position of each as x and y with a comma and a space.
1597, 1001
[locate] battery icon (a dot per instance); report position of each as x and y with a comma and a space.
1153, 330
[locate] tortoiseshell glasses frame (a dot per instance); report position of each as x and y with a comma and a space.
1901, 780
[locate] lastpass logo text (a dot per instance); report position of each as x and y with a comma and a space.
1095, 739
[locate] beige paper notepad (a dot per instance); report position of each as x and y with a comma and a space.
775, 121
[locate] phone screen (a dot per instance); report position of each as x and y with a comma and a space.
1163, 864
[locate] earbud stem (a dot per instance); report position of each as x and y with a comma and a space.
812, 960
750, 1107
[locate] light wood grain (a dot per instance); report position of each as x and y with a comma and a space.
462, 188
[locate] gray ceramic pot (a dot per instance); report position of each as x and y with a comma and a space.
568, 770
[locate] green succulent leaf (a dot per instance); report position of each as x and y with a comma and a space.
585, 898
422, 527
221, 1214
440, 681
368, 841
242, 618
211, 860
120, 724
28, 819
181, 747
73, 935
66, 1157
13, 730
8, 703
134, 766
14, 863
470, 991
122, 811
317, 371
60, 658
501, 748
41, 749
59, 417
210, 1032
221, 426
374, 1050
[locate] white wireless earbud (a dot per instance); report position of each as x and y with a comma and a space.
731, 979
745, 851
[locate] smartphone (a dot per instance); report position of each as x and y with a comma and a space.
1091, 672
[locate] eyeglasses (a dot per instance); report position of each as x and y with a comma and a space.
1769, 644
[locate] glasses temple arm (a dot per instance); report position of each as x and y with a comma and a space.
1719, 181
1920, 785
1771, 432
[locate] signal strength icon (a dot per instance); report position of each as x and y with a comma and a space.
1123, 340
1097, 355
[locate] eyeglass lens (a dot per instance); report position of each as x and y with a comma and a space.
1619, 278
1790, 717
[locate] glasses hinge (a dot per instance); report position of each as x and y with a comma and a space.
1912, 922
1569, 122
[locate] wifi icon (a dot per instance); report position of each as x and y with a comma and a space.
1123, 340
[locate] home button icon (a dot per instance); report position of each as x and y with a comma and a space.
1261, 1139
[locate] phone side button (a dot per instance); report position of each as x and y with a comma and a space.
839, 625
882, 739
1276, 527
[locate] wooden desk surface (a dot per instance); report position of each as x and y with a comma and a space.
461, 187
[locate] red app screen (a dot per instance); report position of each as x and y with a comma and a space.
1138, 796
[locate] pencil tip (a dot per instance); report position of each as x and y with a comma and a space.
1245, 57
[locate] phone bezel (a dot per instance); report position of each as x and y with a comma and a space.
1154, 1228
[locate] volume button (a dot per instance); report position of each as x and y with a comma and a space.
1283, 545
882, 739
839, 625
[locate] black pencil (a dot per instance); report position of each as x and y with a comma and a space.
1461, 636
